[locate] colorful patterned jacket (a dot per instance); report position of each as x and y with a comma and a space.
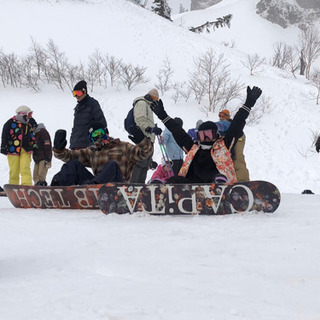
124, 153
202, 165
17, 135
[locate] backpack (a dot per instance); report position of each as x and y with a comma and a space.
129, 120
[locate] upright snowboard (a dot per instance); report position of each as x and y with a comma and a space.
189, 199
73, 197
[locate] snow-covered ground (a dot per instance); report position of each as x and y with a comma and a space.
85, 265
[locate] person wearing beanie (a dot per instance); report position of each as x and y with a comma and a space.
175, 153
224, 115
110, 159
86, 111
209, 157
18, 143
143, 117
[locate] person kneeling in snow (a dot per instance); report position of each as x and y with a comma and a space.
111, 160
210, 156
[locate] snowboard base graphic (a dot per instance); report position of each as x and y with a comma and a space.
39, 197
189, 199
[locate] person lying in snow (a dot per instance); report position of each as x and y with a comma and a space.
210, 156
111, 160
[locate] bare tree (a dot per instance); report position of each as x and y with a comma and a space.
211, 77
281, 55
131, 75
253, 62
39, 59
94, 71
181, 91
309, 45
164, 76
315, 79
113, 66
10, 67
58, 64
29, 73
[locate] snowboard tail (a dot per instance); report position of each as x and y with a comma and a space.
189, 199
58, 197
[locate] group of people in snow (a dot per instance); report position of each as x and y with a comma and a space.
213, 152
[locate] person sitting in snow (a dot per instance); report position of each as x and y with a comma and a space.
210, 155
111, 160
163, 172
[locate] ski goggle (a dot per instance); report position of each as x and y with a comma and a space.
206, 135
95, 135
77, 93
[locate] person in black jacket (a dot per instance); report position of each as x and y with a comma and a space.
210, 157
87, 111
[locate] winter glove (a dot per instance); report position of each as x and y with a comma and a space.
157, 131
153, 165
318, 145
60, 141
252, 96
136, 134
158, 109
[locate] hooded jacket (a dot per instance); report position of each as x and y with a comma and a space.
17, 134
86, 111
44, 150
143, 115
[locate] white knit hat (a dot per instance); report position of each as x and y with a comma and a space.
23, 109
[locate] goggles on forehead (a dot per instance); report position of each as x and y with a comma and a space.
206, 135
77, 93
95, 135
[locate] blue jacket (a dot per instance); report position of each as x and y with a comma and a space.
173, 149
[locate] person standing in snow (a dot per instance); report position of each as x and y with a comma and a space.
86, 111
238, 158
111, 160
210, 157
42, 155
18, 143
143, 116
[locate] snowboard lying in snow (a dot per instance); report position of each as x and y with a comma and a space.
158, 199
72, 197
189, 199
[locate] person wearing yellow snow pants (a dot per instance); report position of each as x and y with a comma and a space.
19, 165
18, 143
